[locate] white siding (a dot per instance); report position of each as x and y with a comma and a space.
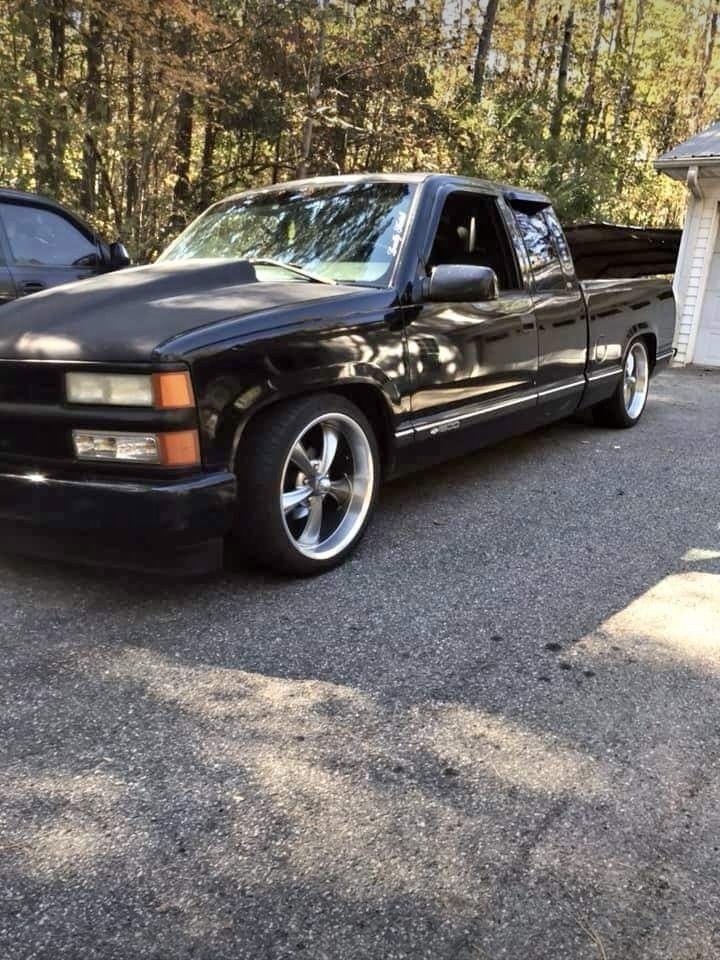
707, 342
701, 228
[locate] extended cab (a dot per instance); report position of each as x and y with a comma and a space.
292, 347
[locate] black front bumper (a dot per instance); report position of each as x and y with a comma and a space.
168, 526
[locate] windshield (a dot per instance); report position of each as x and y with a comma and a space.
344, 232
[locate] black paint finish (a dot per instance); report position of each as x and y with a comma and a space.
436, 379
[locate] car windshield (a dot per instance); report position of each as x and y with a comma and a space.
345, 232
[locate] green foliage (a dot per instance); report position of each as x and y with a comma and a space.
138, 114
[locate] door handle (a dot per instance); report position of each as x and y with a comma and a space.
32, 287
528, 325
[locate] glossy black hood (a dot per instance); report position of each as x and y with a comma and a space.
143, 314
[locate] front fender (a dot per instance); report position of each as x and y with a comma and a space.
235, 385
234, 424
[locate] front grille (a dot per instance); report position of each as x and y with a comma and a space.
30, 383
31, 440
31, 436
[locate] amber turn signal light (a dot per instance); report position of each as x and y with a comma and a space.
181, 448
173, 391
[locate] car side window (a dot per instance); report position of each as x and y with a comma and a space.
40, 237
471, 231
538, 236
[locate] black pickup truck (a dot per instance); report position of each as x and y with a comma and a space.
292, 347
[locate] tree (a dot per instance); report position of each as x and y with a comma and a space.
139, 114
483, 50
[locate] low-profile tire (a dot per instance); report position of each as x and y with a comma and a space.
308, 474
627, 404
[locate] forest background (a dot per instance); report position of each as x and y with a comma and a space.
139, 114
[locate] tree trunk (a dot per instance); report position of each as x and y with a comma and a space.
93, 106
588, 101
184, 48
529, 37
546, 58
627, 84
57, 50
131, 170
562, 79
43, 151
276, 158
616, 39
314, 91
711, 37
208, 153
625, 96
615, 46
183, 150
483, 50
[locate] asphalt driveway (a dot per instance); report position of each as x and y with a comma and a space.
495, 733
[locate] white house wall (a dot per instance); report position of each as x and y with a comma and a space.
707, 343
699, 240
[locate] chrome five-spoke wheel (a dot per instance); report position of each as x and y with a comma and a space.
327, 485
308, 472
636, 378
625, 406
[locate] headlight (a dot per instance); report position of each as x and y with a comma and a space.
164, 391
118, 389
180, 448
116, 446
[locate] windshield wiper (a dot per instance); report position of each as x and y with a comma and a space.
290, 267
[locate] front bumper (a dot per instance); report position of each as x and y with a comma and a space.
168, 526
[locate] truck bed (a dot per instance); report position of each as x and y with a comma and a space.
604, 251
614, 306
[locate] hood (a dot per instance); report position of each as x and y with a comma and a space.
126, 317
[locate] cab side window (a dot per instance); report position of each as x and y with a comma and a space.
539, 237
471, 231
40, 237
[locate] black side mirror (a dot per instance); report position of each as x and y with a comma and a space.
119, 257
460, 283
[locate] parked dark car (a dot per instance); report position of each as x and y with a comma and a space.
42, 244
292, 347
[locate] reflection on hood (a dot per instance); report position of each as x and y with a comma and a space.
126, 316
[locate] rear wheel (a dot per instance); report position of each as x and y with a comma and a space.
308, 473
625, 407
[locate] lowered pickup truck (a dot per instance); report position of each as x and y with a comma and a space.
292, 347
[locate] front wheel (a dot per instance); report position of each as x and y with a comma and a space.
308, 473
625, 407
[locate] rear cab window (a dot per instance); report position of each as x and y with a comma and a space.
551, 264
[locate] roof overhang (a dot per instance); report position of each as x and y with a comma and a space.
677, 167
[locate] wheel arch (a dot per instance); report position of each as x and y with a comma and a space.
366, 394
650, 340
